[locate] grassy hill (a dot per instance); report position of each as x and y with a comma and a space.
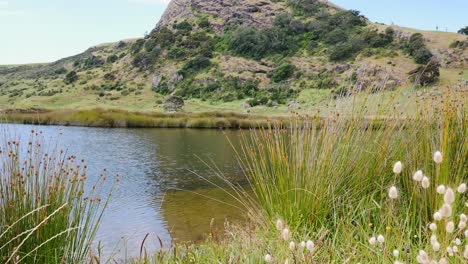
264, 57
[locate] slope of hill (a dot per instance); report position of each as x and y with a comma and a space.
260, 56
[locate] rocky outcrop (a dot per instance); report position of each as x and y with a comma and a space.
239, 12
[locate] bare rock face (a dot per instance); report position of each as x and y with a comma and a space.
239, 12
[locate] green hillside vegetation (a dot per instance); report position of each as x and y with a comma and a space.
308, 47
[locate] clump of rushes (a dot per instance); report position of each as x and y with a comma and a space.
49, 211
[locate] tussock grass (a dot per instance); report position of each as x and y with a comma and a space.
49, 211
328, 181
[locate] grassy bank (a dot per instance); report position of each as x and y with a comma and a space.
124, 119
343, 193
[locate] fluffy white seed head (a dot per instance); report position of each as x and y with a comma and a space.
449, 249
396, 253
466, 233
457, 241
393, 193
397, 262
381, 239
465, 252
443, 261
268, 258
455, 249
446, 210
279, 225
441, 189
417, 176
303, 244
436, 246
422, 257
462, 188
449, 196
438, 157
425, 182
463, 218
433, 239
372, 241
292, 245
437, 216
398, 167
310, 245
433, 227
285, 234
450, 227
462, 225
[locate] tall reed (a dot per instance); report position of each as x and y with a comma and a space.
49, 211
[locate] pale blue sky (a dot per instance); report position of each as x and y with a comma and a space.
47, 30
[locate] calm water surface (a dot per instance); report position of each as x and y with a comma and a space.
159, 192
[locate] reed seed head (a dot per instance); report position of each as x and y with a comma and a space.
425, 182
285, 234
303, 244
381, 239
450, 227
279, 225
398, 167
268, 258
393, 193
418, 176
462, 188
396, 253
438, 157
433, 227
292, 245
449, 196
437, 216
441, 189
310, 245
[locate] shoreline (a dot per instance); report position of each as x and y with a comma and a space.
125, 119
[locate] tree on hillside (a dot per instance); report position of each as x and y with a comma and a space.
463, 31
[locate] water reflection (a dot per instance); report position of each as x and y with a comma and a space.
152, 163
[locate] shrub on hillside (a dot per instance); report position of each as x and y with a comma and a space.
283, 72
112, 58
196, 64
249, 42
422, 56
71, 77
164, 37
183, 27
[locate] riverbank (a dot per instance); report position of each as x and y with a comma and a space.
126, 119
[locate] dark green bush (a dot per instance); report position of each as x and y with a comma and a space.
422, 56
249, 42
112, 58
204, 23
336, 36
195, 65
71, 77
177, 53
283, 72
183, 27
164, 37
